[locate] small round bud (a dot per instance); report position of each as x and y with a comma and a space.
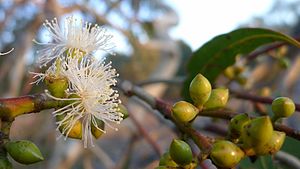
95, 131
75, 132
257, 132
229, 72
225, 154
283, 107
181, 152
236, 125
200, 90
284, 63
217, 99
24, 152
166, 160
56, 85
5, 163
184, 111
273, 145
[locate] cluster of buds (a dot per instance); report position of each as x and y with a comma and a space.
246, 136
204, 98
76, 77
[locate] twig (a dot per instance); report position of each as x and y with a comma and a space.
288, 159
105, 159
259, 99
175, 80
143, 131
203, 142
255, 54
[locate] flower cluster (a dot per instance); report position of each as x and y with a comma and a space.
89, 89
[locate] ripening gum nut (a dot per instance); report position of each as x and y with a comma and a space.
217, 99
236, 125
24, 152
56, 85
76, 131
257, 132
226, 154
200, 90
181, 152
5, 163
166, 160
283, 107
95, 131
184, 111
273, 145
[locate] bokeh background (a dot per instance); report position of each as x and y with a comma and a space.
154, 39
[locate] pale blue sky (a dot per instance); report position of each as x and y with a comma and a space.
201, 20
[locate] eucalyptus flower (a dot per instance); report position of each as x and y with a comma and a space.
76, 37
91, 81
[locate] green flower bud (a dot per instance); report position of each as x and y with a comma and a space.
273, 145
236, 125
122, 109
184, 112
95, 131
181, 152
24, 152
284, 63
5, 163
166, 160
283, 107
225, 154
56, 85
200, 90
229, 72
76, 131
257, 132
218, 99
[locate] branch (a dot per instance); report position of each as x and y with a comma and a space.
204, 143
13, 107
258, 99
255, 54
144, 132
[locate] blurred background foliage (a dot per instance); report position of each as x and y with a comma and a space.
148, 53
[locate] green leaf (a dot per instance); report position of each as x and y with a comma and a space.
220, 52
262, 162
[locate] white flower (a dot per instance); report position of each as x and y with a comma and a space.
91, 80
75, 37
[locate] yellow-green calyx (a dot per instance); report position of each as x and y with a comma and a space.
76, 130
122, 109
236, 125
226, 154
56, 85
283, 107
166, 160
24, 152
184, 111
257, 132
181, 152
218, 99
95, 131
273, 145
200, 89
